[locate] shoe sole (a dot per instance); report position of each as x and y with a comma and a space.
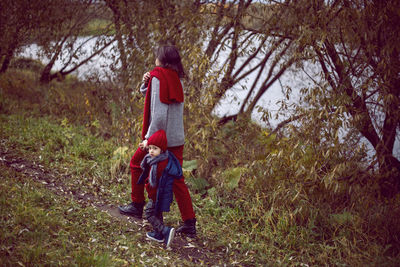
130, 214
190, 235
171, 237
154, 239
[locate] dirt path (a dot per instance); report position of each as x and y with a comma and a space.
190, 249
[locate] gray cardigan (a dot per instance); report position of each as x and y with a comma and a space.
168, 117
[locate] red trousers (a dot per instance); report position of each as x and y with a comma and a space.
181, 191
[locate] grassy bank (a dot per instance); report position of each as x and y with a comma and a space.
246, 215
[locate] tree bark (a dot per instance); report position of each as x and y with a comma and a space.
45, 76
114, 6
8, 55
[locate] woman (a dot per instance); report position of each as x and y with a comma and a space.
163, 109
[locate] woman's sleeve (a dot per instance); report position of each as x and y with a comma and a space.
143, 89
158, 110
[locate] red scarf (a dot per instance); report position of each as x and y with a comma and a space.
171, 91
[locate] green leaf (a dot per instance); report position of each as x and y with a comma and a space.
197, 184
189, 165
120, 152
232, 177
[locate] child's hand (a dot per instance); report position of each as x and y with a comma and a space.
143, 145
146, 77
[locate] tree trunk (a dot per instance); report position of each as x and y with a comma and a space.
6, 62
9, 53
389, 168
45, 76
118, 33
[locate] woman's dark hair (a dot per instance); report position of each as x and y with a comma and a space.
169, 57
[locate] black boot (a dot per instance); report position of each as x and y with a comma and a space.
188, 228
161, 232
132, 209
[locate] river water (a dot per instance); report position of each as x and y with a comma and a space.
230, 104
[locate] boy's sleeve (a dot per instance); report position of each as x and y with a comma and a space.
158, 110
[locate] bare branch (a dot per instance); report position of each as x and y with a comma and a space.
285, 122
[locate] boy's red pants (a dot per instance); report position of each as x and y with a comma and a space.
180, 189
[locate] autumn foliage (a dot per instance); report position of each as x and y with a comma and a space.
325, 178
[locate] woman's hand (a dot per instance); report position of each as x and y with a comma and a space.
143, 145
146, 77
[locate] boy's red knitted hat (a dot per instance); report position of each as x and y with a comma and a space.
159, 139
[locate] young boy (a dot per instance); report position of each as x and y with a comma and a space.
160, 168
